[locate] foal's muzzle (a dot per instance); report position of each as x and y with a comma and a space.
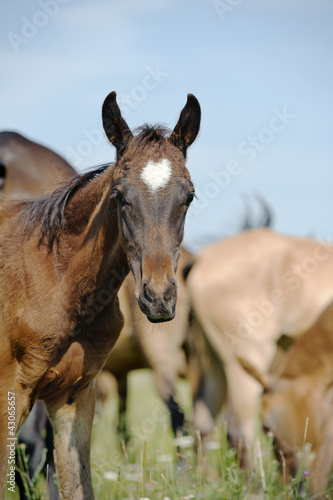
157, 305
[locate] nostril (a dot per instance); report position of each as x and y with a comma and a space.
171, 291
147, 293
173, 283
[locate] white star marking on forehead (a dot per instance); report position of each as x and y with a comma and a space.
156, 175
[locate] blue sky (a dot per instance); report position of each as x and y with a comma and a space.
261, 69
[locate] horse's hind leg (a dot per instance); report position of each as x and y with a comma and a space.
72, 424
176, 415
164, 376
122, 395
49, 441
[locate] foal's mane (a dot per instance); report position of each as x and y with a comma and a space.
149, 133
49, 210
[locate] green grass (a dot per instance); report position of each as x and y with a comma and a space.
150, 466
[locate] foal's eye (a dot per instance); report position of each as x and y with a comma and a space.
189, 199
119, 198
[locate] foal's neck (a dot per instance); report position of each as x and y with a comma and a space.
89, 252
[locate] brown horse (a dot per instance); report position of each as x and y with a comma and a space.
28, 169
62, 261
140, 344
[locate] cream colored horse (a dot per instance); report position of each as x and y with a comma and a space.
297, 405
246, 291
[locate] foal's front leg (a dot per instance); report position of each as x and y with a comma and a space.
72, 435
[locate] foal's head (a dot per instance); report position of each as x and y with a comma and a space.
153, 190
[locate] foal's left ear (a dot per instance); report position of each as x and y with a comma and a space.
188, 124
116, 129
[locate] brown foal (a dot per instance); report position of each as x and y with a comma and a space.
63, 258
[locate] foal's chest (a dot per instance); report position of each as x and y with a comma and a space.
70, 372
78, 363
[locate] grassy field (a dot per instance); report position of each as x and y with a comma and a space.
151, 466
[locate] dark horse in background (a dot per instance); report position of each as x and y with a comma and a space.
63, 258
28, 169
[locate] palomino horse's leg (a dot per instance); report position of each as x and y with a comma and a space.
72, 424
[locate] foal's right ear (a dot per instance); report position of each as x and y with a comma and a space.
188, 124
116, 129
